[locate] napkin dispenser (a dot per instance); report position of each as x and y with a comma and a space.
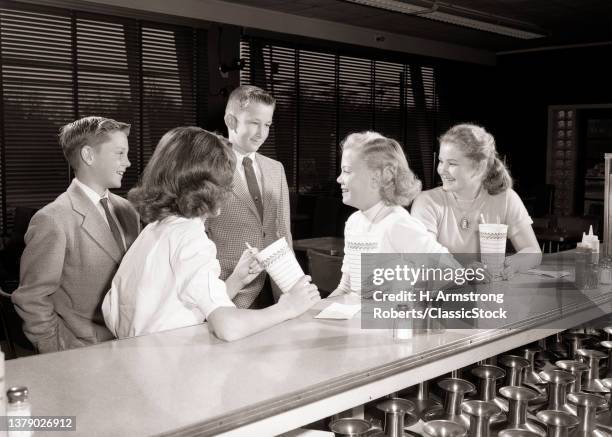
608, 207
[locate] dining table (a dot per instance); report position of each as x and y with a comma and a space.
329, 245
552, 240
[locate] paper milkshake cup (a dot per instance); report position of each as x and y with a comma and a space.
355, 245
280, 263
493, 246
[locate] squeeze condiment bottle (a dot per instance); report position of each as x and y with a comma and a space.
593, 242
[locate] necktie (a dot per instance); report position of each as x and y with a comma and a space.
113, 225
252, 184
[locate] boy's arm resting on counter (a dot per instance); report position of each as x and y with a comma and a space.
42, 264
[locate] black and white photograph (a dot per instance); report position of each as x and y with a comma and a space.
306, 218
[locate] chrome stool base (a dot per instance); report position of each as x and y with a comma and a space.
444, 428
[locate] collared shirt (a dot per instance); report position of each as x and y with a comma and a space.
168, 279
376, 211
95, 199
240, 167
395, 231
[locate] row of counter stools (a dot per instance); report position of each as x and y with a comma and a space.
559, 387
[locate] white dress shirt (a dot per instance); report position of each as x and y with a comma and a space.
95, 199
169, 278
240, 167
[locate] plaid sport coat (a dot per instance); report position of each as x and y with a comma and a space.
239, 222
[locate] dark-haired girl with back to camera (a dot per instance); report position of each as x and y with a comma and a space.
170, 276
475, 183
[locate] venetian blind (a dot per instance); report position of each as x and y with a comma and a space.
107, 53
37, 98
59, 65
169, 81
324, 95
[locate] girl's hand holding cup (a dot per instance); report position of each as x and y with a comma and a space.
302, 296
248, 268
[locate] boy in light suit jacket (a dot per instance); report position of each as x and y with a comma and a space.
257, 211
74, 245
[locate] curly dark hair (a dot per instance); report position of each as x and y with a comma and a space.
189, 175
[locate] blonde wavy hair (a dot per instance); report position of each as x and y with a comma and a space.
385, 157
479, 145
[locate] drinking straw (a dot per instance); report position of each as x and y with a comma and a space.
482, 218
248, 245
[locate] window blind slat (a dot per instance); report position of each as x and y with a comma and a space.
169, 91
330, 94
100, 46
137, 72
317, 117
37, 99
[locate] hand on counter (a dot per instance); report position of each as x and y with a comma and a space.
511, 266
302, 296
478, 266
521, 262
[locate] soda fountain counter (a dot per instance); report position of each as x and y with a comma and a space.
187, 382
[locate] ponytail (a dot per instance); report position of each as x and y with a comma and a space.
497, 179
479, 145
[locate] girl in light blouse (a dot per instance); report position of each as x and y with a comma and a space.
375, 179
475, 183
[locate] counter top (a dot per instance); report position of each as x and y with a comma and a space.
186, 381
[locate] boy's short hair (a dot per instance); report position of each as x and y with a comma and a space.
380, 153
189, 175
87, 131
244, 95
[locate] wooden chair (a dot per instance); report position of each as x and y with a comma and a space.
325, 270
